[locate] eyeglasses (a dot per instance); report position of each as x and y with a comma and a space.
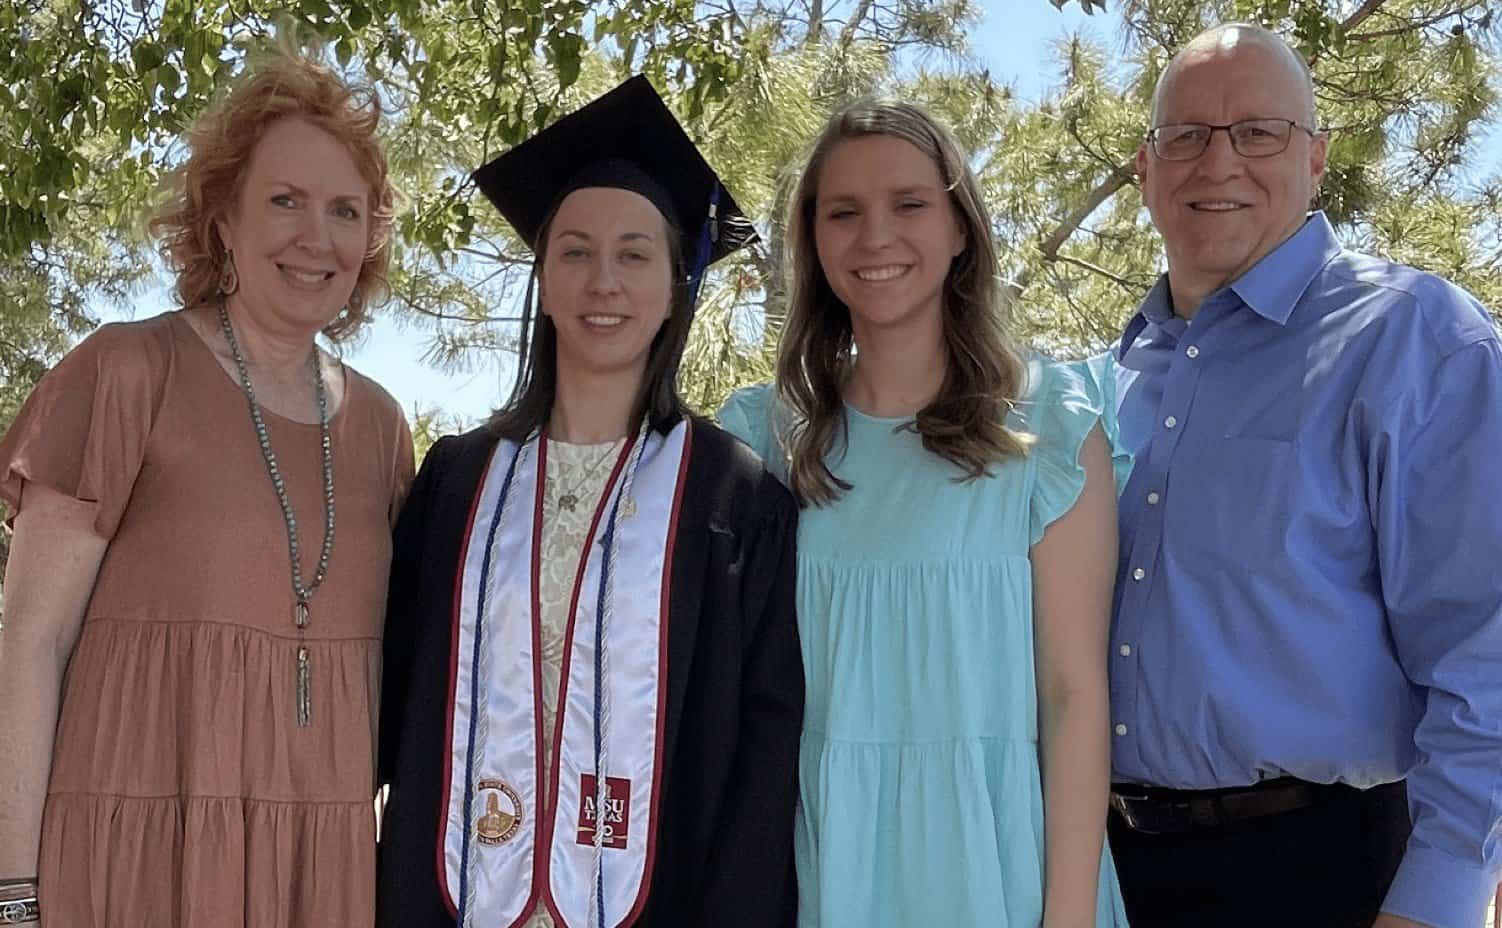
1251, 138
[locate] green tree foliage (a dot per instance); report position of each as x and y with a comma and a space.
793, 67
93, 98
429, 425
1406, 88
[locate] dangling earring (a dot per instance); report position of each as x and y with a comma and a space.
229, 279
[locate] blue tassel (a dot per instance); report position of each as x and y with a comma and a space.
707, 237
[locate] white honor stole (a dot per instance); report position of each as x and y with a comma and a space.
503, 851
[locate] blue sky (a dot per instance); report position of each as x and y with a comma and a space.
1015, 40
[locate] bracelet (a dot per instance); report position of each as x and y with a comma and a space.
19, 881
20, 911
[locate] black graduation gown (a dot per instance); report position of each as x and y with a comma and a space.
724, 849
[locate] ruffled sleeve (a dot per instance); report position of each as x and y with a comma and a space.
747, 414
1101, 375
83, 430
1062, 407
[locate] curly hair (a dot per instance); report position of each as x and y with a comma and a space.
200, 192
984, 375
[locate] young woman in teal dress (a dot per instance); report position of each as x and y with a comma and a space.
956, 552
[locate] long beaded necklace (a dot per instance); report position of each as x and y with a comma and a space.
302, 595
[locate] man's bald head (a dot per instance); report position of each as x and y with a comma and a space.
1222, 211
1231, 39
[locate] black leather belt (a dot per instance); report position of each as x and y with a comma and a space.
1171, 811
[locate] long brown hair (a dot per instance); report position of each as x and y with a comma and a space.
966, 422
531, 402
283, 84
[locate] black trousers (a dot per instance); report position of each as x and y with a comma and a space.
1327, 865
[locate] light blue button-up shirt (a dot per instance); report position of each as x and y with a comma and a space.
1311, 550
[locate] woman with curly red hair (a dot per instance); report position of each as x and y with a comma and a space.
203, 499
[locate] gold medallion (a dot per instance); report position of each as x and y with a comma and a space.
498, 825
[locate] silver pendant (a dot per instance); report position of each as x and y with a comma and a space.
304, 689
301, 614
568, 501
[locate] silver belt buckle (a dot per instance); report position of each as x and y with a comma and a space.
19, 912
1119, 803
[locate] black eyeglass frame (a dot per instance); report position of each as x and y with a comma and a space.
1153, 133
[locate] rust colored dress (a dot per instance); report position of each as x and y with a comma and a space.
182, 791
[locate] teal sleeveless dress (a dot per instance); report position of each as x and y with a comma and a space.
921, 799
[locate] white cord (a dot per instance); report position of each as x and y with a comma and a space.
482, 719
602, 767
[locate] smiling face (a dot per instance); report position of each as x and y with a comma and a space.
606, 280
886, 230
1221, 213
299, 229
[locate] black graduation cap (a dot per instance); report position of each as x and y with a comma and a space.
628, 139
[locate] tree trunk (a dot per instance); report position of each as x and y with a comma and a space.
847, 35
815, 23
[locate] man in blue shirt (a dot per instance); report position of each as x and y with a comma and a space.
1309, 603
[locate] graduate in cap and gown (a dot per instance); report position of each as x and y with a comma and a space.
593, 691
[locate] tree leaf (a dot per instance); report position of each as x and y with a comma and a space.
168, 78
147, 56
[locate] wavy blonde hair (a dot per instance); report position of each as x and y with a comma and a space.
965, 423
283, 85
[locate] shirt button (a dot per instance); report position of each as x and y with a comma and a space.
1191, 352
1126, 650
1170, 422
1152, 498
1138, 574
1121, 729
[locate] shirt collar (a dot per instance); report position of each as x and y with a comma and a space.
1271, 288
1156, 308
